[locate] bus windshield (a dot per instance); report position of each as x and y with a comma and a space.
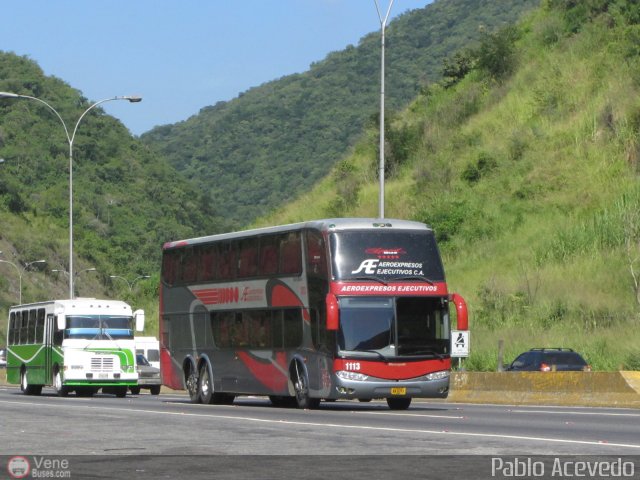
386, 255
394, 326
99, 327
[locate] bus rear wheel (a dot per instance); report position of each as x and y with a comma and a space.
60, 389
398, 403
192, 382
206, 388
27, 388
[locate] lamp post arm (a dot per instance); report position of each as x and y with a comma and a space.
55, 112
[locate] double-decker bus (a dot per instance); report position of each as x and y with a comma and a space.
80, 345
322, 310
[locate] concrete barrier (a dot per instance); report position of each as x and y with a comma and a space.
601, 389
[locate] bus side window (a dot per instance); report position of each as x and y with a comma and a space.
12, 328
227, 261
248, 261
40, 326
207, 264
24, 327
292, 328
316, 257
169, 266
189, 265
290, 254
32, 325
268, 255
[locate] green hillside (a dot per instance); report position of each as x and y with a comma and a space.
262, 149
127, 200
526, 160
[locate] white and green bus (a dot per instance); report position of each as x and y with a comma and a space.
80, 345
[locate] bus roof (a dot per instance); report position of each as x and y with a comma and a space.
82, 305
329, 224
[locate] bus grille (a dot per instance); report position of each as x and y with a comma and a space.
102, 364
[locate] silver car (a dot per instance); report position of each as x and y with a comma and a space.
148, 376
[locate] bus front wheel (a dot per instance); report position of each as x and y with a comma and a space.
60, 389
301, 388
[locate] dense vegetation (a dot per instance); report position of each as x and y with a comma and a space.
127, 200
277, 140
524, 155
526, 160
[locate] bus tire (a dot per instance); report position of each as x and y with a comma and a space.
155, 389
192, 383
27, 388
398, 403
300, 382
205, 384
135, 390
61, 390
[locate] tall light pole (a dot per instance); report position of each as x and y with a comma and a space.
70, 139
132, 283
383, 24
77, 274
20, 273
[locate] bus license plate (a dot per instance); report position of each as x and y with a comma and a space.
103, 375
398, 390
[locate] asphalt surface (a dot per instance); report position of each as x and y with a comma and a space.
165, 434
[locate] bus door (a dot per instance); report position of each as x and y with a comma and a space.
49, 328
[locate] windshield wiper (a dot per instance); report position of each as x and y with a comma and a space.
425, 352
369, 277
417, 277
352, 353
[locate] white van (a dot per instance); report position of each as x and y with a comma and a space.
150, 348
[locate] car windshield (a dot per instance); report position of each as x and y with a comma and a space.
393, 327
141, 360
99, 327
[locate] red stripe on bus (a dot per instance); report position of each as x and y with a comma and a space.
271, 373
401, 370
282, 296
392, 288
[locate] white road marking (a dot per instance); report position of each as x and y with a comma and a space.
281, 422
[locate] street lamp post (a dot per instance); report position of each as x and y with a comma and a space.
20, 273
77, 274
70, 139
383, 24
132, 283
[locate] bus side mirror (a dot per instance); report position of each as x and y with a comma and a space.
462, 315
333, 314
61, 322
138, 316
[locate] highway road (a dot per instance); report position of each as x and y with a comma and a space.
160, 427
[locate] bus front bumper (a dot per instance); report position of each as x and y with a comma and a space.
351, 386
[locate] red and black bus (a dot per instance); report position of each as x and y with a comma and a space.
321, 310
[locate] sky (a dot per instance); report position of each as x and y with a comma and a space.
182, 55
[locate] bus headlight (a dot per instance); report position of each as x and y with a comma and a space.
438, 375
345, 375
